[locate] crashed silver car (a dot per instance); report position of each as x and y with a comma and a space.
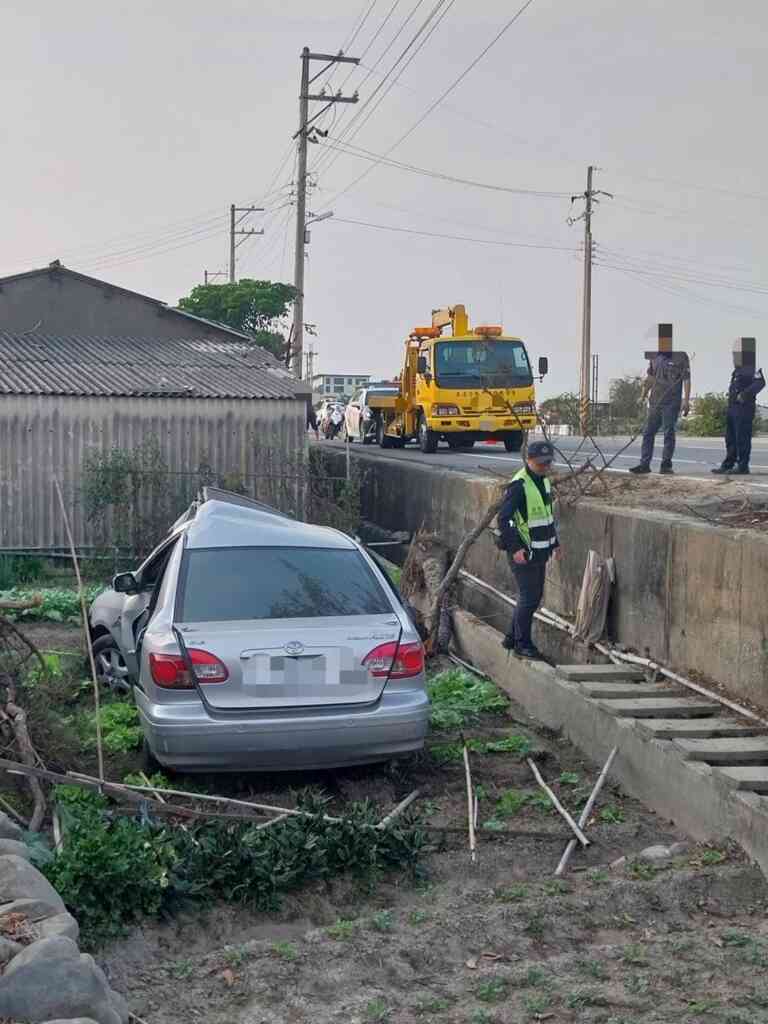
251, 641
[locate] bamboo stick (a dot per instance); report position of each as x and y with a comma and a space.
86, 631
558, 806
470, 808
584, 818
398, 810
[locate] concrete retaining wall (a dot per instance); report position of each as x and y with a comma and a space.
689, 594
45, 977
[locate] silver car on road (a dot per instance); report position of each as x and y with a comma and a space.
252, 641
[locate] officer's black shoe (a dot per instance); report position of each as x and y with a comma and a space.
508, 643
642, 468
722, 470
666, 469
533, 653
741, 471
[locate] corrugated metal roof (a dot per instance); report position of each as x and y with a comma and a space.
44, 364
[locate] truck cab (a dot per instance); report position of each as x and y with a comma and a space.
466, 386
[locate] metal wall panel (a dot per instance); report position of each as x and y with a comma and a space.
44, 437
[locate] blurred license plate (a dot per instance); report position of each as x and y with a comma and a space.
486, 424
307, 669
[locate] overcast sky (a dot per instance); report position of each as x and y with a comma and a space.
130, 128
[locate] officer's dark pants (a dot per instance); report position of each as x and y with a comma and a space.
738, 438
660, 417
530, 586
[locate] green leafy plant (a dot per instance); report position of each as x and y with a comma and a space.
569, 779
458, 697
537, 1002
444, 752
432, 1004
612, 815
377, 1010
382, 921
342, 930
491, 990
285, 950
58, 604
512, 894
417, 917
711, 857
510, 802
120, 729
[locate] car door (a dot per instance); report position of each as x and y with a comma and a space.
137, 606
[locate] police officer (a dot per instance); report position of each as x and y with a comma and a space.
528, 535
668, 382
745, 385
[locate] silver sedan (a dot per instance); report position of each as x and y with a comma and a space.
252, 641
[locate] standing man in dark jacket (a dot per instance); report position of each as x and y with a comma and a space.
668, 382
745, 385
528, 535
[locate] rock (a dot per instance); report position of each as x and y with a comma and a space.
59, 924
8, 949
34, 910
8, 828
51, 979
14, 846
659, 854
618, 863
19, 880
677, 849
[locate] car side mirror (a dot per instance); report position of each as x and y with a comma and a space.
543, 366
125, 583
421, 365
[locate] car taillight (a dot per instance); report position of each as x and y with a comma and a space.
170, 670
408, 660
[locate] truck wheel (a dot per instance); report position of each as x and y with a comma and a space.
427, 437
365, 435
513, 442
382, 439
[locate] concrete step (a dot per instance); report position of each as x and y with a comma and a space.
660, 707
599, 673
751, 777
621, 689
746, 750
697, 728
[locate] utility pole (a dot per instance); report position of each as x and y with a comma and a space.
303, 136
589, 197
595, 391
234, 220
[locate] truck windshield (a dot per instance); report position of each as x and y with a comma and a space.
492, 363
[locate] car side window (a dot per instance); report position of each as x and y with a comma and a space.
152, 570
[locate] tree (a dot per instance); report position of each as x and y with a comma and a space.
709, 415
257, 308
561, 409
625, 396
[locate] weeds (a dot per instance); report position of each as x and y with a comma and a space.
342, 930
182, 969
234, 956
120, 729
555, 888
634, 954
285, 950
382, 921
637, 984
512, 894
612, 815
491, 990
537, 1002
458, 697
481, 1017
418, 917
58, 604
642, 870
582, 997
593, 969
598, 876
445, 752
377, 1010
432, 1004
712, 857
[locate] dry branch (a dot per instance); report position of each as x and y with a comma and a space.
398, 810
470, 808
6, 605
557, 805
584, 817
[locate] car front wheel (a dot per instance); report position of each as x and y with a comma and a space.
111, 670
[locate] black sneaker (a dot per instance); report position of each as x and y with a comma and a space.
508, 643
666, 470
642, 468
741, 471
722, 470
532, 653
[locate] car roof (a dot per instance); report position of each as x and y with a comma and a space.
226, 524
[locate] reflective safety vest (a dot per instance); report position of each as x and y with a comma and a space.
537, 531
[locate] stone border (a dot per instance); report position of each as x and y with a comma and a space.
45, 977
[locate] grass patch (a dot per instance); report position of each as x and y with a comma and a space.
518, 745
512, 894
458, 697
377, 1010
592, 969
382, 921
417, 917
583, 997
612, 815
537, 1002
342, 930
491, 990
285, 950
634, 954
432, 1004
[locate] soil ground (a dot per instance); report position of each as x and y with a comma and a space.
498, 942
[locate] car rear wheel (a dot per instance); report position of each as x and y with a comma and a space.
513, 442
427, 438
111, 670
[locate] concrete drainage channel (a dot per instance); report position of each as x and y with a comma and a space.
681, 755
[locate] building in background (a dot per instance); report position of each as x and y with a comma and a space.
337, 385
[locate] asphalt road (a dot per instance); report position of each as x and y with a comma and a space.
694, 457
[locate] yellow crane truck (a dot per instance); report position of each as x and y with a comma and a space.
466, 386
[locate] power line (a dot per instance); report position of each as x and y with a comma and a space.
456, 238
366, 154
434, 105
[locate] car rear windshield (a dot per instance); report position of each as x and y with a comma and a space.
228, 584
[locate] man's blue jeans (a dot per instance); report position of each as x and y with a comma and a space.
660, 417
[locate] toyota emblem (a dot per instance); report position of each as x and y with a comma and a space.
294, 647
